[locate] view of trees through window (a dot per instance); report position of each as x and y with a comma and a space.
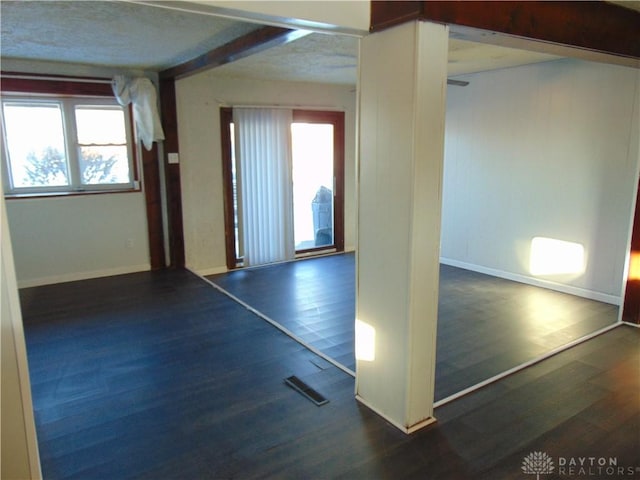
47, 168
65, 144
50, 168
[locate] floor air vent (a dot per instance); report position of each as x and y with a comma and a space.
297, 384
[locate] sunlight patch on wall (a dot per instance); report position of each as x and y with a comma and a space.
365, 341
555, 257
634, 266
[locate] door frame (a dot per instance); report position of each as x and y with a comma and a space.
334, 117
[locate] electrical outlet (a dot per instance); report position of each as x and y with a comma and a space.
130, 242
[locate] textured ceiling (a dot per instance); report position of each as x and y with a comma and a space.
142, 36
114, 34
316, 57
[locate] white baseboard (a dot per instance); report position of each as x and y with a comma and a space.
208, 271
405, 429
536, 282
72, 277
203, 272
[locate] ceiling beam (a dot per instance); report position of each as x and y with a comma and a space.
249, 44
386, 14
253, 42
595, 26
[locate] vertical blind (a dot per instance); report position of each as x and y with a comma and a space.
263, 156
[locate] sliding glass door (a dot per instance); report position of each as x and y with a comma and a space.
317, 171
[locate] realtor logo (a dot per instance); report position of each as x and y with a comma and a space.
537, 463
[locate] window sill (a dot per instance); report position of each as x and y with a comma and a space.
17, 196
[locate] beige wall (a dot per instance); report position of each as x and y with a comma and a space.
199, 99
68, 238
62, 239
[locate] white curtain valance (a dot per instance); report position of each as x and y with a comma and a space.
142, 94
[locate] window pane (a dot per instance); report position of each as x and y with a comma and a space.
312, 149
100, 125
35, 143
237, 225
104, 165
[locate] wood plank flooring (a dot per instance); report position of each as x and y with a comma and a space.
159, 376
313, 298
486, 325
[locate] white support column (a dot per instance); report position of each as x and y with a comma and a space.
19, 456
403, 78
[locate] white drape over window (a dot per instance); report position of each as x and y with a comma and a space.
142, 93
263, 151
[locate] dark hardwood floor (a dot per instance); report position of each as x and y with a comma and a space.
486, 325
313, 298
157, 375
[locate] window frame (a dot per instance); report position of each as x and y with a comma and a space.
69, 94
334, 117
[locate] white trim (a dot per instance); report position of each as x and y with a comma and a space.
203, 272
522, 366
72, 277
634, 325
316, 253
277, 325
405, 429
536, 282
208, 271
300, 258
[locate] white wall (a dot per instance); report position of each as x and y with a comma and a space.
60, 239
199, 98
68, 238
542, 150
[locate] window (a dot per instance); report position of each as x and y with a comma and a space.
317, 145
64, 145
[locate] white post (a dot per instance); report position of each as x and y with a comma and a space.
20, 457
403, 77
